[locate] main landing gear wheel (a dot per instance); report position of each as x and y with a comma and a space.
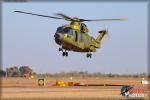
65, 54
89, 55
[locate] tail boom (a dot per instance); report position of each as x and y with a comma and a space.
100, 37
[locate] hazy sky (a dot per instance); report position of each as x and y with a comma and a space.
29, 40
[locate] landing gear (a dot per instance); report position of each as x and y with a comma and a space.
64, 52
89, 55
60, 49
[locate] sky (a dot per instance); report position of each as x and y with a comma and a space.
29, 40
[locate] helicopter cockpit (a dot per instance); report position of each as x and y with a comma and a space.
65, 30
60, 33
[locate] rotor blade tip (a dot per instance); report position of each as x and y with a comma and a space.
124, 19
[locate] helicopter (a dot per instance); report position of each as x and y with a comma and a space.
74, 36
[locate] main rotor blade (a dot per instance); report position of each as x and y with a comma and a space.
119, 19
38, 15
64, 16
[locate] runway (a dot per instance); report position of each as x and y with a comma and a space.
63, 92
22, 88
57, 89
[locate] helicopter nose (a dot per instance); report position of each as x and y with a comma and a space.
58, 38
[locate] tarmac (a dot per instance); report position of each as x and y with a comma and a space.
84, 92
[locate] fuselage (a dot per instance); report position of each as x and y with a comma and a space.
71, 39
75, 37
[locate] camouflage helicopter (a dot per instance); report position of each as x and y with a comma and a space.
74, 36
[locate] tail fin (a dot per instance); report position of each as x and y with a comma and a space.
101, 35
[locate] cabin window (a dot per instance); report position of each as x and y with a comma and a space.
81, 37
83, 28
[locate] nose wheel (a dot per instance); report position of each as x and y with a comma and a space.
89, 55
60, 49
64, 53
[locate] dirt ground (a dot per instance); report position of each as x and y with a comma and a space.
23, 88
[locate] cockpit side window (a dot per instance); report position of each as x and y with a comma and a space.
68, 31
65, 30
